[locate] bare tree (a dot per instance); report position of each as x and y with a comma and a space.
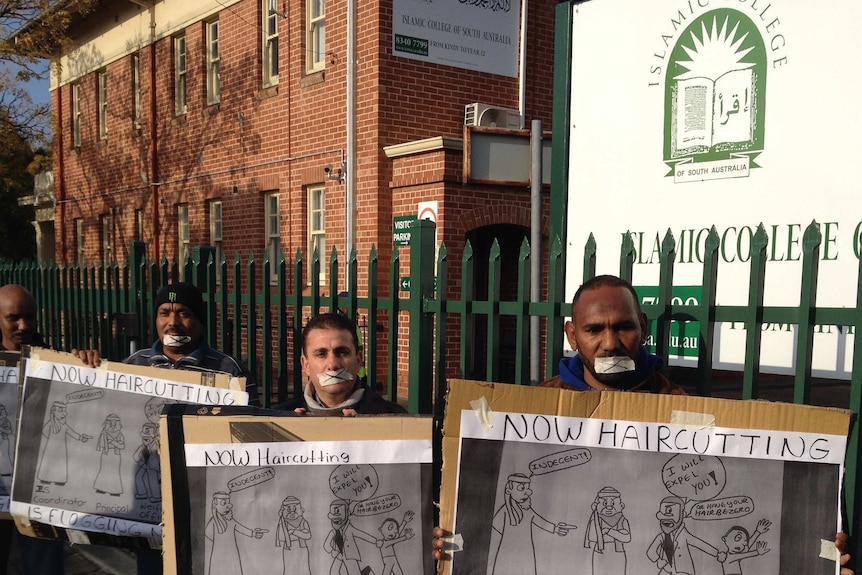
31, 33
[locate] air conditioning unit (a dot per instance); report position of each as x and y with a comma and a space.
478, 114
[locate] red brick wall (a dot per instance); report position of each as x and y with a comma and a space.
279, 139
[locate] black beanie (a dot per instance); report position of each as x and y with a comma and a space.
185, 294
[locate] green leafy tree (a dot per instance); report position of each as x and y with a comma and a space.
32, 32
17, 235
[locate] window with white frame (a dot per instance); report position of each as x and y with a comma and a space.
76, 115
273, 241
213, 64
102, 89
79, 240
183, 233
180, 69
317, 228
215, 235
315, 38
270, 43
107, 252
136, 91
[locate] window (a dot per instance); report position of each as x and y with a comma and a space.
215, 235
183, 232
79, 239
105, 221
213, 64
136, 91
102, 90
180, 95
272, 238
270, 43
317, 227
315, 40
76, 115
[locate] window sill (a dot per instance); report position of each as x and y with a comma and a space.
267, 93
312, 78
212, 109
179, 120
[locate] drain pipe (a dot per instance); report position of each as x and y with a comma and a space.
535, 247
350, 180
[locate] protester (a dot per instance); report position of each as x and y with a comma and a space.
180, 324
608, 332
331, 360
18, 328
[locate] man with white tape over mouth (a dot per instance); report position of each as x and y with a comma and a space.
608, 332
331, 360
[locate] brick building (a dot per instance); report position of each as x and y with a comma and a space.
232, 123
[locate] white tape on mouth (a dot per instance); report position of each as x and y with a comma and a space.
171, 340
335, 377
615, 364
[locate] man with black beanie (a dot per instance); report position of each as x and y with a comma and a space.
180, 322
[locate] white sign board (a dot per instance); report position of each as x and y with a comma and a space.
686, 115
469, 34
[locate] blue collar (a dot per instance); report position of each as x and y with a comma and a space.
572, 371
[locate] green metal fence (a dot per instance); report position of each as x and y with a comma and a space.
258, 320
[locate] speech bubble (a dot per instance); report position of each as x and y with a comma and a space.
724, 508
354, 482
560, 460
153, 408
375, 505
84, 395
694, 477
250, 479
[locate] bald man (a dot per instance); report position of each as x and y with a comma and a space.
18, 328
17, 318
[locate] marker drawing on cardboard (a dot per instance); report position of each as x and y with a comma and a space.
316, 508
644, 497
76, 465
110, 445
512, 531
7, 432
608, 532
222, 530
9, 377
393, 532
148, 474
292, 535
54, 458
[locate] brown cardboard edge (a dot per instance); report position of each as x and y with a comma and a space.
216, 429
641, 407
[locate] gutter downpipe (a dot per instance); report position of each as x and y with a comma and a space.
350, 181
154, 148
535, 247
61, 179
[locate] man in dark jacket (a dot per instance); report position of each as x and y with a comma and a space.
180, 324
18, 328
608, 330
331, 360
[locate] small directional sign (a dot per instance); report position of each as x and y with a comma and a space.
401, 230
405, 283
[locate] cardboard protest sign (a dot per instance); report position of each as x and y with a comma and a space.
9, 377
87, 464
536, 480
258, 494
